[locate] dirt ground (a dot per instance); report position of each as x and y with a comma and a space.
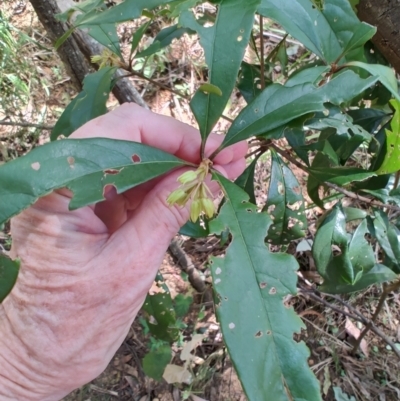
371, 375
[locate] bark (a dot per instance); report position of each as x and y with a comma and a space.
385, 15
78, 48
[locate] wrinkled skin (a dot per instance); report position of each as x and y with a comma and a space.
85, 274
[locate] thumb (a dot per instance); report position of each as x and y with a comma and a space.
154, 223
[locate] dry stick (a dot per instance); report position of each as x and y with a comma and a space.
357, 316
387, 289
343, 191
27, 125
262, 61
396, 180
188, 267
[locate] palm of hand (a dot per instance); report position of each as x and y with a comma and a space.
85, 274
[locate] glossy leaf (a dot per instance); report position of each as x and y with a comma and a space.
342, 261
369, 119
277, 105
89, 104
332, 233
384, 74
107, 35
330, 31
85, 166
195, 230
160, 311
378, 274
257, 327
391, 163
138, 35
125, 11
285, 204
249, 81
224, 45
388, 236
164, 39
8, 275
246, 180
156, 360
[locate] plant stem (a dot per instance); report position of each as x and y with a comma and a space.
396, 180
387, 289
262, 60
26, 125
343, 191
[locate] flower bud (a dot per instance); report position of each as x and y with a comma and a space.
187, 177
195, 210
176, 196
208, 207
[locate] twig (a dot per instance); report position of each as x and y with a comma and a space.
396, 180
27, 125
185, 263
387, 289
343, 191
314, 294
262, 60
165, 87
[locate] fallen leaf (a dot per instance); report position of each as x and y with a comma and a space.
355, 332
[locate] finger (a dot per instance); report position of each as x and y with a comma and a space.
134, 123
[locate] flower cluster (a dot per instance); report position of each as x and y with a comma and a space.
106, 59
193, 187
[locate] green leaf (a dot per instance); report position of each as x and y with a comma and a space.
128, 10
257, 326
182, 305
285, 204
106, 34
8, 275
277, 105
353, 213
60, 41
369, 119
384, 74
210, 89
249, 81
330, 31
388, 236
155, 362
224, 45
89, 104
331, 235
138, 35
195, 230
160, 310
164, 39
340, 175
177, 7
391, 163
246, 180
85, 166
378, 274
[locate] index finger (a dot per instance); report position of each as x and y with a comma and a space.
133, 123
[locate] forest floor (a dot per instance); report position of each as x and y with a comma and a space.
372, 374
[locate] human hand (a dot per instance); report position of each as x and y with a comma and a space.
85, 273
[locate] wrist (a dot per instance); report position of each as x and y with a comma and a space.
20, 378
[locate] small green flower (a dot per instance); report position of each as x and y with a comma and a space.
195, 210
193, 187
208, 207
176, 196
187, 177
